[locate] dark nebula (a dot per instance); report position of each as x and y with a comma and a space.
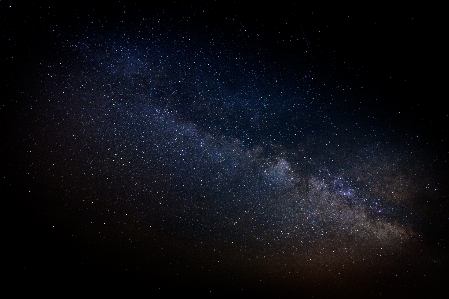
224, 149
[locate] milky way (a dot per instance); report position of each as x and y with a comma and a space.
195, 154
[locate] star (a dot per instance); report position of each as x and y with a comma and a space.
211, 149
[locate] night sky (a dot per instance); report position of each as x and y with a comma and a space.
214, 148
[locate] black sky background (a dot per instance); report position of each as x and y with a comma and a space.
381, 64
387, 58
